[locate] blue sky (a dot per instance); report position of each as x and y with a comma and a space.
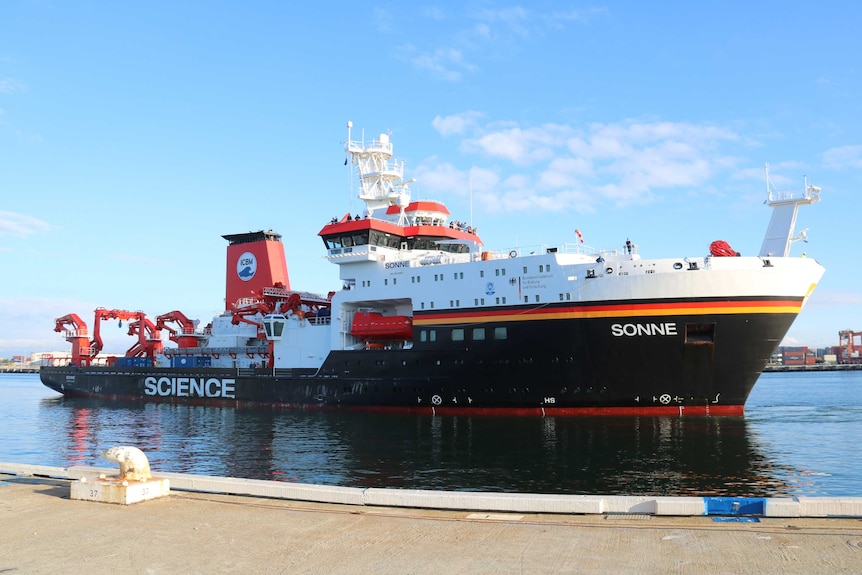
134, 135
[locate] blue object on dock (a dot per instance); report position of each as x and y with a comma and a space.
736, 519
735, 505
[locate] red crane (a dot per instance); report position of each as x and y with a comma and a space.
96, 344
77, 336
149, 339
185, 336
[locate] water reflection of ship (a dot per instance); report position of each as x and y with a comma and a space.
614, 456
176, 438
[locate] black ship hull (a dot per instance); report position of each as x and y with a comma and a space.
681, 365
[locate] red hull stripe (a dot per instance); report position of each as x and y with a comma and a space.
654, 411
658, 411
791, 306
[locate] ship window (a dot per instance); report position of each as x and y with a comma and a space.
481, 273
501, 333
458, 334
504, 299
432, 305
422, 304
277, 328
526, 298
394, 281
537, 297
423, 335
432, 335
503, 272
561, 297
525, 269
568, 296
385, 282
497, 272
478, 333
476, 301
498, 300
482, 301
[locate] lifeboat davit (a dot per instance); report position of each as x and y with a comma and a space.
373, 325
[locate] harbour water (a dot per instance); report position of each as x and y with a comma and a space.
800, 436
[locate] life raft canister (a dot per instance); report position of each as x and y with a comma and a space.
721, 248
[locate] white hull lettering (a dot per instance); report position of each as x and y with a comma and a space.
190, 387
639, 329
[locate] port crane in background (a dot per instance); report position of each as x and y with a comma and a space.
849, 346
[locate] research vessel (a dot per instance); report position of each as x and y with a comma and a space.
426, 319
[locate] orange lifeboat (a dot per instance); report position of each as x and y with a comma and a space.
373, 325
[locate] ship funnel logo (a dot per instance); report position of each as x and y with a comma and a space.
246, 266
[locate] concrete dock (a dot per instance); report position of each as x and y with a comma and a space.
192, 531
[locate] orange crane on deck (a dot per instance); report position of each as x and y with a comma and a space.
76, 335
185, 337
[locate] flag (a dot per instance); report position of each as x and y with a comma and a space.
345, 160
580, 237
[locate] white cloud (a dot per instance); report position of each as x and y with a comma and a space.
456, 123
382, 20
555, 19
520, 146
482, 33
515, 19
10, 86
447, 63
21, 225
556, 166
434, 13
843, 157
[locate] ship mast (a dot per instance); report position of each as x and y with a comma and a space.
381, 178
779, 235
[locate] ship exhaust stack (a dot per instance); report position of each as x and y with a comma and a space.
255, 260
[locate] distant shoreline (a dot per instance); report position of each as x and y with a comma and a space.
815, 367
767, 369
18, 369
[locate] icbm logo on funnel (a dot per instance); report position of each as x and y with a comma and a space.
246, 266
